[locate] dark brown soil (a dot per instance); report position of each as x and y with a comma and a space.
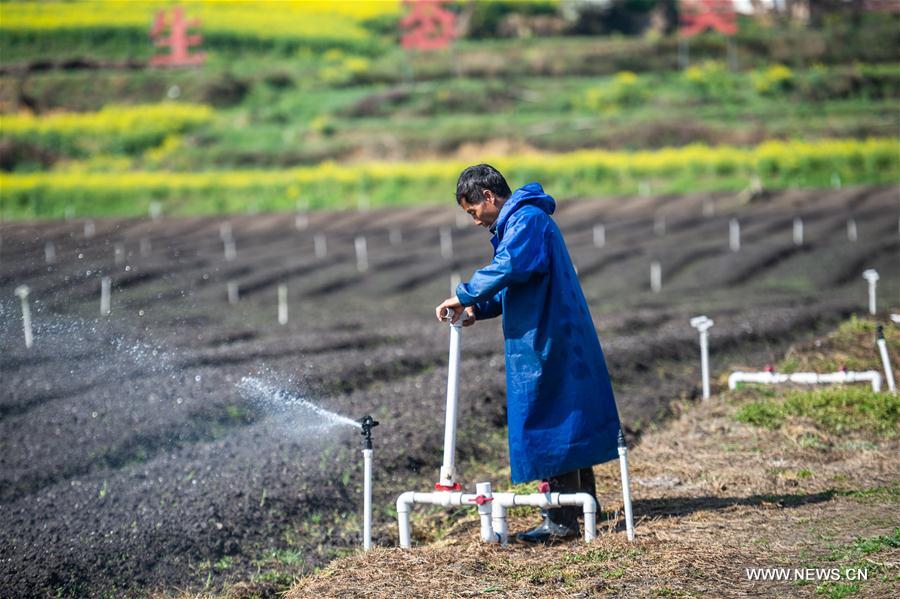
131, 461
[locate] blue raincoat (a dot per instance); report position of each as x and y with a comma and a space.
560, 406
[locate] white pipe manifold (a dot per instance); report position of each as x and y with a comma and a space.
806, 378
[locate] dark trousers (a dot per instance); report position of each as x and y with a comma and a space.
575, 481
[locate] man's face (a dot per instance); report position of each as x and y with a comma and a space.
485, 213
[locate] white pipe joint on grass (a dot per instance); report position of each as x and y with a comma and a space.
871, 275
703, 324
807, 378
494, 528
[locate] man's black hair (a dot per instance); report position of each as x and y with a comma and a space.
475, 179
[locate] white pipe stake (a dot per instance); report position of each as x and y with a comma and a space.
446, 243
282, 304
22, 291
320, 246
232, 288
734, 235
798, 231
50, 253
483, 500
225, 231
230, 248
154, 210
395, 236
885, 360
871, 275
105, 288
145, 247
119, 253
301, 221
852, 233
367, 499
362, 254
655, 276
89, 229
599, 236
448, 469
703, 324
626, 487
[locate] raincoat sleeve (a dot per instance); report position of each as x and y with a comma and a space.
489, 308
520, 255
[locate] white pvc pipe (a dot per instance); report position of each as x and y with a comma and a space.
626, 488
655, 277
852, 233
448, 469
871, 275
483, 491
362, 254
105, 287
154, 210
505, 500
885, 360
232, 288
321, 247
301, 221
225, 231
798, 231
22, 291
89, 229
367, 499
734, 235
49, 253
230, 248
282, 304
806, 378
499, 523
703, 324
446, 243
599, 236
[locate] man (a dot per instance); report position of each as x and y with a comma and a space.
561, 411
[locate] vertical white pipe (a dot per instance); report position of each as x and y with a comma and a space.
703, 324
446, 243
484, 510
119, 253
655, 276
499, 523
852, 233
599, 236
448, 469
367, 499
145, 246
626, 487
320, 245
282, 304
395, 236
22, 291
404, 502
362, 254
89, 229
886, 360
225, 231
798, 231
50, 253
230, 249
232, 288
734, 235
105, 287
301, 221
154, 210
871, 275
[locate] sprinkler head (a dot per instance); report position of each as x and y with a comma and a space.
621, 438
871, 275
367, 423
879, 332
22, 291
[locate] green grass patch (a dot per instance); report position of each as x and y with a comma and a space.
837, 410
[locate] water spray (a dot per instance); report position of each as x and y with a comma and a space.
871, 275
703, 324
105, 288
885, 359
734, 235
22, 292
367, 423
599, 236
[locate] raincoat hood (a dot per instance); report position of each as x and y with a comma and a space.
531, 194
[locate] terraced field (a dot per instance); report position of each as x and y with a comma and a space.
134, 457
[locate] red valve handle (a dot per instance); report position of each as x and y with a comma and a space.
481, 500
544, 487
453, 487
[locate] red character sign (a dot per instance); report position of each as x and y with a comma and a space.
178, 40
427, 26
699, 15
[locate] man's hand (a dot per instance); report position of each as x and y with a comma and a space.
456, 310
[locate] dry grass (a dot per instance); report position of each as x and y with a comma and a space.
713, 496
